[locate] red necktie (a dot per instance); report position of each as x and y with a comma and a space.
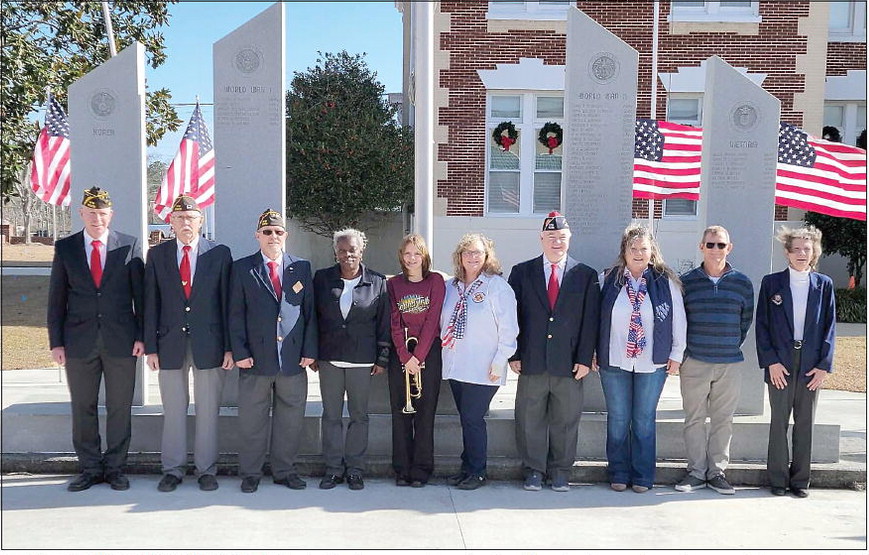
276, 280
552, 290
185, 271
96, 264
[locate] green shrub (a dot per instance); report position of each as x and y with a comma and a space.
851, 305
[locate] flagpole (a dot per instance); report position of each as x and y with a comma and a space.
653, 112
109, 29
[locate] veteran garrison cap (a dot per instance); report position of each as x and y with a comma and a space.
96, 198
555, 221
184, 203
270, 217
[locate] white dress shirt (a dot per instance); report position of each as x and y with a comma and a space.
800, 293
193, 255
88, 248
620, 323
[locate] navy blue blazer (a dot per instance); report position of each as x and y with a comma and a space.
170, 316
77, 310
258, 320
774, 324
553, 340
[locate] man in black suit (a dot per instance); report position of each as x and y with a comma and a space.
186, 305
273, 334
558, 304
95, 329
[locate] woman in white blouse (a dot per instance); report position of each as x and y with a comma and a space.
478, 331
642, 340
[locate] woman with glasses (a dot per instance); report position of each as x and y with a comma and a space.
416, 296
796, 335
641, 341
478, 332
353, 327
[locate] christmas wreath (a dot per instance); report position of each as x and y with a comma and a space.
502, 140
551, 136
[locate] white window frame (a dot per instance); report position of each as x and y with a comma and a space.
695, 123
850, 127
856, 30
714, 11
528, 130
529, 9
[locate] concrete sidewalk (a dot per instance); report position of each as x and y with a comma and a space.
38, 513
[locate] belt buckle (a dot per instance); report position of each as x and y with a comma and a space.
798, 345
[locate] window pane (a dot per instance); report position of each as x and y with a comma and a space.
504, 192
547, 191
861, 117
507, 107
500, 159
735, 4
833, 115
680, 207
684, 110
840, 15
550, 107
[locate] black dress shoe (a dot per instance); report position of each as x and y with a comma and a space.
118, 481
402, 481
472, 482
329, 481
83, 481
292, 481
168, 483
249, 484
779, 491
456, 479
354, 481
207, 482
802, 493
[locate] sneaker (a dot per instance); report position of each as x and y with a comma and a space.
472, 482
456, 479
618, 486
560, 484
690, 483
721, 485
534, 481
639, 489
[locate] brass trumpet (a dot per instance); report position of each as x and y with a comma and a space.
412, 387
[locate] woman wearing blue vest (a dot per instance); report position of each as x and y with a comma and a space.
642, 339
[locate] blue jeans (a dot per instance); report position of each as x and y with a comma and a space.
473, 400
631, 402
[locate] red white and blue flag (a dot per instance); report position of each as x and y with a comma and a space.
820, 176
667, 160
49, 170
191, 172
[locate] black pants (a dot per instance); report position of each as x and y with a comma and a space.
785, 471
413, 434
83, 376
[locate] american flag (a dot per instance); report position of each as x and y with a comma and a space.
820, 176
49, 170
191, 172
666, 160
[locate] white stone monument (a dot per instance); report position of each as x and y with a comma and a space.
740, 150
107, 149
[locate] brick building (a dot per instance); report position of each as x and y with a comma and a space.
504, 60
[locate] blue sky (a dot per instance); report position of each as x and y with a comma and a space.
370, 27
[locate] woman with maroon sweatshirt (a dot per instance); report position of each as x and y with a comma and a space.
416, 297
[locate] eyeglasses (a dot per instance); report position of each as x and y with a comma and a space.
721, 246
473, 254
278, 232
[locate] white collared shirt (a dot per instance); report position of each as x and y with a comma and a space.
88, 248
547, 269
193, 255
799, 283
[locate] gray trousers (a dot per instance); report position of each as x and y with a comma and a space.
782, 470
174, 391
708, 390
548, 409
344, 453
285, 397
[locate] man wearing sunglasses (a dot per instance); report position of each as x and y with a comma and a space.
719, 305
273, 334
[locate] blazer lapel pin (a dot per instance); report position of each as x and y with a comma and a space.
776, 299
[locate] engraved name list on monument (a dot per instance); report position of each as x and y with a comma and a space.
249, 99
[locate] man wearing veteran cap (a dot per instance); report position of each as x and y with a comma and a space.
558, 304
273, 334
95, 300
186, 304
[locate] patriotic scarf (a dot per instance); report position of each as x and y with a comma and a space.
636, 337
459, 318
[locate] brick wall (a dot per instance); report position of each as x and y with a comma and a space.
842, 56
772, 50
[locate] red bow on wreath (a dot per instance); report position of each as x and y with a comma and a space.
506, 142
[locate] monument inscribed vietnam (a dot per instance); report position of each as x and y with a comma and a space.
249, 128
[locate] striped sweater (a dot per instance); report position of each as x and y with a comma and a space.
719, 315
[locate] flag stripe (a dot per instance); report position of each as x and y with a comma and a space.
50, 167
